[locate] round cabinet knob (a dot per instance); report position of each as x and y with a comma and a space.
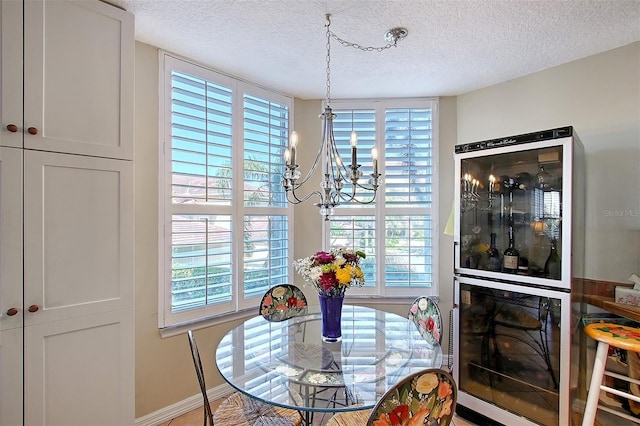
12, 128
12, 311
32, 130
34, 308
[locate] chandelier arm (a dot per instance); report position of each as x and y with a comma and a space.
351, 198
311, 171
298, 200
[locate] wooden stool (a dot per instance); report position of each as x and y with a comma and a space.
618, 336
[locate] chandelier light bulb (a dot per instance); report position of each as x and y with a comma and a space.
374, 156
294, 144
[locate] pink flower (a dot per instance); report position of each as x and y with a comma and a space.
328, 280
436, 334
268, 300
324, 257
414, 308
350, 257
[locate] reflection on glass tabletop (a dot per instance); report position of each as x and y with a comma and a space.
287, 363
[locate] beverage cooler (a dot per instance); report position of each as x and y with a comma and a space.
518, 240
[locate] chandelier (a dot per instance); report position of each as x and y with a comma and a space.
335, 171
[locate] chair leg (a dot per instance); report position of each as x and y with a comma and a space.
593, 397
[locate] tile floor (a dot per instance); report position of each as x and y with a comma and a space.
195, 418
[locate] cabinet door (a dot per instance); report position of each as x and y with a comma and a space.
11, 377
10, 286
79, 71
10, 238
78, 236
11, 73
81, 371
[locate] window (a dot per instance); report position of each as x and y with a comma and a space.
224, 216
399, 226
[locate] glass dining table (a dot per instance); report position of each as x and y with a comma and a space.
288, 365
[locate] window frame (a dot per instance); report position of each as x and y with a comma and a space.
236, 210
379, 211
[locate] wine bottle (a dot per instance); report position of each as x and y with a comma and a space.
511, 254
552, 267
523, 265
494, 255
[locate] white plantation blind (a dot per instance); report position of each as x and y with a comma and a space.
223, 204
408, 248
363, 122
408, 165
200, 256
399, 226
201, 141
266, 253
266, 131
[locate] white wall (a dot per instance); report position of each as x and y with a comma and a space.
600, 97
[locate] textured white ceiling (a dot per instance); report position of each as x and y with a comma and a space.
453, 46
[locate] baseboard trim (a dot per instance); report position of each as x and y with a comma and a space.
181, 407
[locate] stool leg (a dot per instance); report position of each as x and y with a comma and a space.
593, 397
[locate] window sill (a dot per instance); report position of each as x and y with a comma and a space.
177, 329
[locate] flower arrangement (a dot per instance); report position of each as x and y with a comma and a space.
427, 399
332, 272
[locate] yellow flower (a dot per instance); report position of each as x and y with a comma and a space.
278, 292
426, 383
358, 272
343, 275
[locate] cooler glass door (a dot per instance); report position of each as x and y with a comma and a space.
512, 206
512, 355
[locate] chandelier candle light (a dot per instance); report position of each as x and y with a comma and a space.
335, 172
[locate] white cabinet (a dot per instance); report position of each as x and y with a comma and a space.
11, 306
78, 77
84, 373
11, 88
66, 214
77, 236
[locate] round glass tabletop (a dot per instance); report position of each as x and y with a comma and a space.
287, 363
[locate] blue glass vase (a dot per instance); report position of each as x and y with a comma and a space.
331, 309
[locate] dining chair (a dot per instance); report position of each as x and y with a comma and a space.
282, 302
425, 314
238, 409
425, 397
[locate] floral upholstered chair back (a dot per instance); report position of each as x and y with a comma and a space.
427, 397
282, 302
426, 316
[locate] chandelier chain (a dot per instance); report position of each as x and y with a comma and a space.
331, 34
360, 47
328, 60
